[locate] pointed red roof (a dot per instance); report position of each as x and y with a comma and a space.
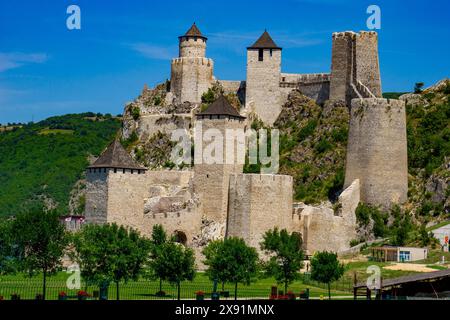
115, 156
221, 107
265, 41
194, 31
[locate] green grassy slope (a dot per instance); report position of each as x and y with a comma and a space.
46, 159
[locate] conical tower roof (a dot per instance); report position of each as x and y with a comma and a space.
115, 156
221, 107
265, 41
194, 31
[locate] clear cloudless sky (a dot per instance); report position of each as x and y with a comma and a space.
46, 69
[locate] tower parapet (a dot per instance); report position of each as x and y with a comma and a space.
377, 150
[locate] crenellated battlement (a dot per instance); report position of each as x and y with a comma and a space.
193, 60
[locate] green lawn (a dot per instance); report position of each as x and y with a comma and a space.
27, 288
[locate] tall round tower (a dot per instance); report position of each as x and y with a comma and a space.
191, 72
377, 151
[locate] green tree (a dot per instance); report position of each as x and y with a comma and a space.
425, 237
158, 239
326, 268
286, 255
231, 260
41, 239
110, 253
418, 87
177, 264
8, 254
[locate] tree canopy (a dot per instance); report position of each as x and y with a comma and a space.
231, 260
285, 255
326, 268
110, 253
40, 240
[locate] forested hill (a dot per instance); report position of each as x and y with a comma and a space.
42, 162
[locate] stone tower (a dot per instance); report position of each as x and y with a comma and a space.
211, 180
377, 151
263, 79
355, 71
191, 73
112, 177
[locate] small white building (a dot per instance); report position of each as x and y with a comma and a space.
399, 254
442, 234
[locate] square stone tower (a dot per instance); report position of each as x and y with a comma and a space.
191, 73
111, 179
211, 178
355, 70
263, 79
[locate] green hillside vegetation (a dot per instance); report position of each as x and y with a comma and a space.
44, 160
313, 140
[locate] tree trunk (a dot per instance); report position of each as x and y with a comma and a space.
329, 292
223, 285
160, 284
44, 285
235, 291
179, 295
117, 290
285, 287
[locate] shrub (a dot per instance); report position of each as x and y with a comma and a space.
135, 113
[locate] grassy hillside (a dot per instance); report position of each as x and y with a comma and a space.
43, 161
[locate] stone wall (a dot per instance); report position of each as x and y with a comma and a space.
377, 150
315, 86
234, 87
367, 65
190, 78
262, 85
341, 65
96, 208
257, 203
326, 228
354, 65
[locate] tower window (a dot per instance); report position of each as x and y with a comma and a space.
260, 54
115, 170
195, 39
123, 171
270, 52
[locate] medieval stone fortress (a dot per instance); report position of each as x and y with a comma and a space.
212, 201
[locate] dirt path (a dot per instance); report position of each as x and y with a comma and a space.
410, 267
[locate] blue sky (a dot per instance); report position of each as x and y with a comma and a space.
46, 69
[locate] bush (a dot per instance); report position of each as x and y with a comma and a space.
135, 113
418, 87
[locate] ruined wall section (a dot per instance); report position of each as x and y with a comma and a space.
377, 150
257, 203
326, 228
263, 84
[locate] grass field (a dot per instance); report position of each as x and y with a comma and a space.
28, 287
